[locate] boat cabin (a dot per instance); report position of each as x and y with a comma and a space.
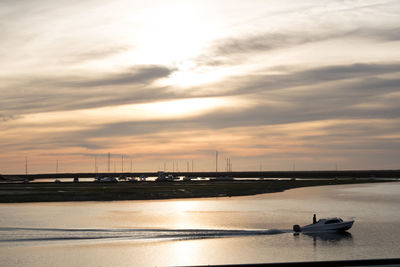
330, 220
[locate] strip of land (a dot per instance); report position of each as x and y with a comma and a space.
89, 191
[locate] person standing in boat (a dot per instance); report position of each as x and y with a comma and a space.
314, 219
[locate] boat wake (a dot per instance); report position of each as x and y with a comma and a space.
16, 235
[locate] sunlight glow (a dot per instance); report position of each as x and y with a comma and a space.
161, 110
187, 77
174, 33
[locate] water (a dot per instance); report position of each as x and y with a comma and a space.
251, 229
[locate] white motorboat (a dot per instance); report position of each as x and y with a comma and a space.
326, 224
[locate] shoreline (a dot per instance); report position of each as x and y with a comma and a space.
89, 191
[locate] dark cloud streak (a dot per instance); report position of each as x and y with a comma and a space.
136, 75
310, 77
224, 51
43, 94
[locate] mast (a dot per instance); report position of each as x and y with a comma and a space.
95, 164
216, 163
108, 162
26, 165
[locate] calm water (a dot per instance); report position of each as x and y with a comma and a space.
250, 229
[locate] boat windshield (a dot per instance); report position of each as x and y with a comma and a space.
332, 221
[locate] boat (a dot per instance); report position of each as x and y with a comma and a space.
107, 179
326, 224
122, 178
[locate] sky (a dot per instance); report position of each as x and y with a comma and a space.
271, 85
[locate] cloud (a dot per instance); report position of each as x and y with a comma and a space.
340, 91
53, 93
4, 118
232, 50
343, 92
257, 83
222, 51
88, 54
134, 76
268, 41
353, 91
319, 108
226, 50
383, 34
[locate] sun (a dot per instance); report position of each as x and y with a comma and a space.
173, 32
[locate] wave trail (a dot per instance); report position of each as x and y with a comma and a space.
14, 234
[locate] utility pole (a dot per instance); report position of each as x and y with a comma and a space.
192, 166
56, 166
131, 166
122, 163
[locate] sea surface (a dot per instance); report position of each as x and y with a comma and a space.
251, 229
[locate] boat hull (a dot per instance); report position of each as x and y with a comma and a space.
342, 226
